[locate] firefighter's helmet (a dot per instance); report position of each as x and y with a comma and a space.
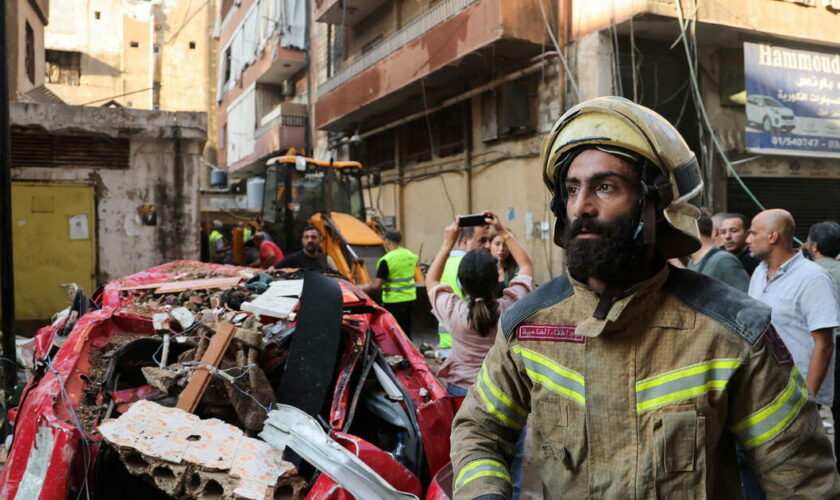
621, 127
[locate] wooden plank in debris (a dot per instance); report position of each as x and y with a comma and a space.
140, 287
201, 376
205, 284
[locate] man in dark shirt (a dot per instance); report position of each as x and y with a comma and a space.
311, 258
734, 229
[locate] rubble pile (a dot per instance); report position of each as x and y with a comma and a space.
187, 457
175, 376
215, 384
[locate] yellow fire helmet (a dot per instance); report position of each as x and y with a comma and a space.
624, 128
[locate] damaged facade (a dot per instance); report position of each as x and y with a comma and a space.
155, 55
100, 193
260, 82
158, 390
452, 99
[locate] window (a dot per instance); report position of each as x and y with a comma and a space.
506, 111
192, 45
378, 151
134, 44
97, 14
63, 67
227, 65
30, 53
156, 48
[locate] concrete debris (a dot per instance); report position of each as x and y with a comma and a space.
278, 301
182, 316
164, 380
187, 457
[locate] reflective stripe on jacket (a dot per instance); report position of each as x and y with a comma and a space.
646, 403
400, 285
450, 277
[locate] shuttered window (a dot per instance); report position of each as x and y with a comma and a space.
45, 150
808, 200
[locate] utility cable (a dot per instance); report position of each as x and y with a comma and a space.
698, 99
633, 61
569, 75
77, 423
432, 145
115, 96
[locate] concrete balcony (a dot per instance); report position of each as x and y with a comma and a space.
278, 129
433, 48
347, 12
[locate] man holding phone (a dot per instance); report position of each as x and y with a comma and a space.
475, 234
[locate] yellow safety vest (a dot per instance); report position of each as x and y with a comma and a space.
450, 277
400, 285
213, 238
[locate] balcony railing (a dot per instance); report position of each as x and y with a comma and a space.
410, 32
281, 120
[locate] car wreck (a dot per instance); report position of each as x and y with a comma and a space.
194, 380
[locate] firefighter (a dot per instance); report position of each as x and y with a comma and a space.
395, 277
637, 378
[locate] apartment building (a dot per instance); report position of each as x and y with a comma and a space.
25, 22
97, 192
451, 99
138, 54
261, 82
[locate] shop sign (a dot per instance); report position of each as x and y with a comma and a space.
793, 101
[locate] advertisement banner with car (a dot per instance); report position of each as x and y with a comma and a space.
793, 101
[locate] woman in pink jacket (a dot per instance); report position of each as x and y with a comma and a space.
473, 321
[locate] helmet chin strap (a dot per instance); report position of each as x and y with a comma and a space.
654, 198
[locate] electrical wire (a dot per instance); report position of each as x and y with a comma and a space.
82, 436
559, 51
115, 96
432, 145
446, 192
698, 100
633, 61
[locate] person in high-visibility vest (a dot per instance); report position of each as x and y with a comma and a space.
218, 248
470, 238
395, 277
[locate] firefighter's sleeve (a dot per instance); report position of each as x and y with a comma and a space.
777, 423
487, 426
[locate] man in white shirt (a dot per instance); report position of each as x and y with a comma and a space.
803, 298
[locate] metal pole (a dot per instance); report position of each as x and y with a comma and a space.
7, 278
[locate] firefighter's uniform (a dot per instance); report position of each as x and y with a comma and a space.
644, 395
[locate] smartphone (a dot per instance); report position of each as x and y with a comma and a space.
472, 220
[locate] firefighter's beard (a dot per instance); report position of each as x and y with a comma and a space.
610, 258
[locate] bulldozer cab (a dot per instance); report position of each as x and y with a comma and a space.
297, 187
300, 191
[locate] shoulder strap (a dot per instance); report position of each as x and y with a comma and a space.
733, 308
553, 292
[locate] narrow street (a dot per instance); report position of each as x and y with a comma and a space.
419, 249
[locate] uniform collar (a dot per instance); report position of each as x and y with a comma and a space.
637, 299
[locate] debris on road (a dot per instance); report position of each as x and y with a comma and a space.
223, 356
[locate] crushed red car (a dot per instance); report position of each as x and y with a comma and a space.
301, 347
